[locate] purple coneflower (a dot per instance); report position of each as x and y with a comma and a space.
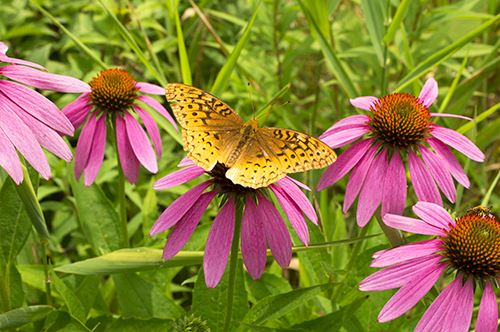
399, 128
113, 96
28, 120
262, 225
468, 247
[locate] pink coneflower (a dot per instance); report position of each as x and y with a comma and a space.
467, 247
262, 225
399, 129
113, 96
28, 120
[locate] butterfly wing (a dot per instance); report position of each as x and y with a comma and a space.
296, 151
210, 127
273, 152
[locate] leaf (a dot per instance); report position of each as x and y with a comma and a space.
183, 57
273, 307
333, 61
61, 321
481, 117
211, 303
20, 316
444, 54
375, 16
15, 226
140, 299
98, 219
75, 306
396, 21
11, 287
131, 260
223, 77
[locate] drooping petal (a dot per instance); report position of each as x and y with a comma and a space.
460, 318
150, 88
407, 252
175, 211
429, 92
297, 182
185, 227
370, 196
365, 103
185, 162
394, 195
150, 101
487, 318
128, 161
358, 177
344, 163
96, 154
296, 195
5, 58
179, 177
350, 120
344, 135
152, 129
434, 215
423, 184
77, 111
21, 136
293, 212
409, 295
43, 80
448, 115
277, 236
140, 144
37, 105
253, 241
439, 172
412, 225
449, 159
83, 147
457, 141
398, 275
435, 315
9, 160
45, 135
218, 244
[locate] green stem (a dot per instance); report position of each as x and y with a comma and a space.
233, 263
122, 204
34, 211
394, 236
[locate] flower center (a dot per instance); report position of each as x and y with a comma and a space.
473, 245
399, 119
226, 186
113, 90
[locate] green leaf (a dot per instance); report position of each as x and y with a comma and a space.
444, 54
19, 317
129, 260
75, 306
183, 57
273, 307
396, 21
375, 16
98, 219
333, 61
211, 303
15, 226
11, 287
140, 299
223, 77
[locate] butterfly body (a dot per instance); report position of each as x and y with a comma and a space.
255, 157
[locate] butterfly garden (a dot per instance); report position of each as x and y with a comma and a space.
273, 165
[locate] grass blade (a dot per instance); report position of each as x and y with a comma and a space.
445, 53
396, 21
374, 14
183, 57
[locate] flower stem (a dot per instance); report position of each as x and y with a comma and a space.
394, 236
34, 211
233, 262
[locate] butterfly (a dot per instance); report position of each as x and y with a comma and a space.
254, 157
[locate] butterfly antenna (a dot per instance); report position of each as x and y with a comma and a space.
249, 85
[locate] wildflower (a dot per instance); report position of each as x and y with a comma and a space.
399, 128
28, 120
262, 225
467, 248
113, 96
